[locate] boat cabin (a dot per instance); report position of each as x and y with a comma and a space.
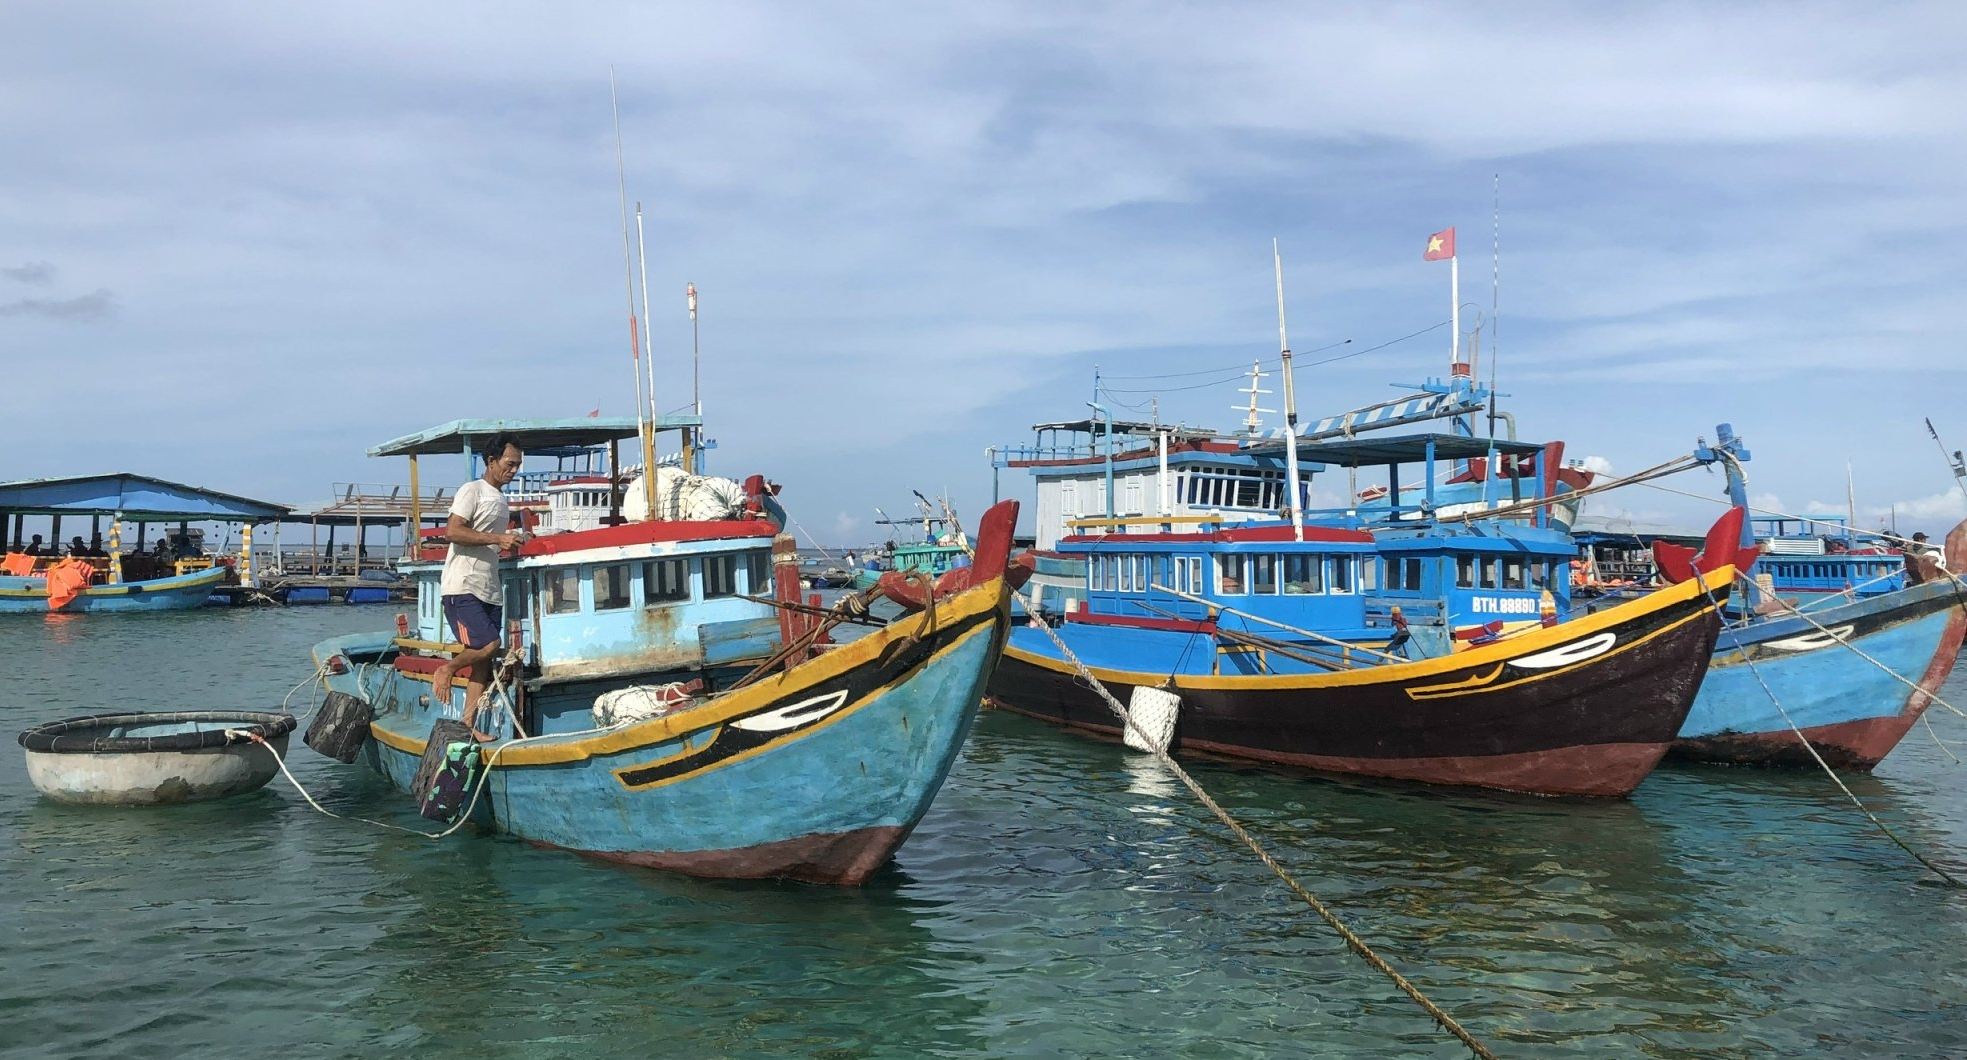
1100, 471
646, 601
1454, 578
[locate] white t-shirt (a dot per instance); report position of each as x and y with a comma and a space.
474, 569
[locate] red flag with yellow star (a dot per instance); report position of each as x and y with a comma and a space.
1440, 245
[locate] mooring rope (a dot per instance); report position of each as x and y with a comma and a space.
1832, 773
1352, 940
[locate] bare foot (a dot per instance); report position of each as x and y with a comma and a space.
482, 738
440, 684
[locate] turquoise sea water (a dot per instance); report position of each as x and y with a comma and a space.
1062, 899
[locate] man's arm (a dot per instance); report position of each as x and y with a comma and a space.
460, 532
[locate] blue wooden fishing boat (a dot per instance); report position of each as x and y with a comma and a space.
756, 750
1849, 670
1385, 642
178, 592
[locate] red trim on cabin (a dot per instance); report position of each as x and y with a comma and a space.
418, 664
1172, 625
646, 533
1233, 535
580, 480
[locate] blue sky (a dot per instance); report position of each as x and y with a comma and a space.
241, 243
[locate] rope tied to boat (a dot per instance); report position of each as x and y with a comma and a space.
484, 774
1819, 759
1351, 939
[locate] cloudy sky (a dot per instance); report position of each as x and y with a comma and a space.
240, 243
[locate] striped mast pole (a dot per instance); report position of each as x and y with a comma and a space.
642, 425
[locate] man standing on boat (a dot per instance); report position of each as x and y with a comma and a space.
477, 531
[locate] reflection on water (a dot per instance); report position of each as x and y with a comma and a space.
1064, 898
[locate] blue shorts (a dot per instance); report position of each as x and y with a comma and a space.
474, 621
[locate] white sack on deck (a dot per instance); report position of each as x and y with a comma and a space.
687, 497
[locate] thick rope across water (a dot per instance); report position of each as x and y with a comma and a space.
1352, 941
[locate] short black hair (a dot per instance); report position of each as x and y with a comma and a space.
496, 447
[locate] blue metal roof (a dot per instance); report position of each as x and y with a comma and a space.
136, 496
541, 437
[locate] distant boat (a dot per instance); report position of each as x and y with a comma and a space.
938, 552
179, 592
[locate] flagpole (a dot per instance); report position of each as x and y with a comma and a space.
1455, 314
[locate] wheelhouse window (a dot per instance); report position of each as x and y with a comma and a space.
1513, 577
1229, 575
1369, 575
1465, 571
758, 572
1263, 574
1486, 572
1342, 574
1304, 575
1126, 564
1188, 574
611, 587
563, 590
720, 576
665, 581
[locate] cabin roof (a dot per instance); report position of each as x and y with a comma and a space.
1095, 425
557, 437
138, 497
1399, 449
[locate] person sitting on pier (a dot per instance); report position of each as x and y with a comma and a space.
473, 609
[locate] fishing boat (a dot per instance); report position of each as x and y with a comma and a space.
103, 576
1387, 643
96, 592
671, 703
1422, 632
941, 549
1803, 667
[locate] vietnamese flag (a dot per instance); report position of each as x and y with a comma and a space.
1440, 245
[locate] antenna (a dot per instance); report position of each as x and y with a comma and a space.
1957, 465
634, 340
1251, 422
1495, 291
696, 379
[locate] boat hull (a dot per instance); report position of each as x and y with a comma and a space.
1849, 708
180, 593
1584, 708
818, 773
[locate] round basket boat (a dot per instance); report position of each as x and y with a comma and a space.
145, 759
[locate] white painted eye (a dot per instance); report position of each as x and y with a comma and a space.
795, 715
1577, 651
1811, 641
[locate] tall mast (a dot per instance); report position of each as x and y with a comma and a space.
696, 381
642, 425
1290, 405
648, 333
